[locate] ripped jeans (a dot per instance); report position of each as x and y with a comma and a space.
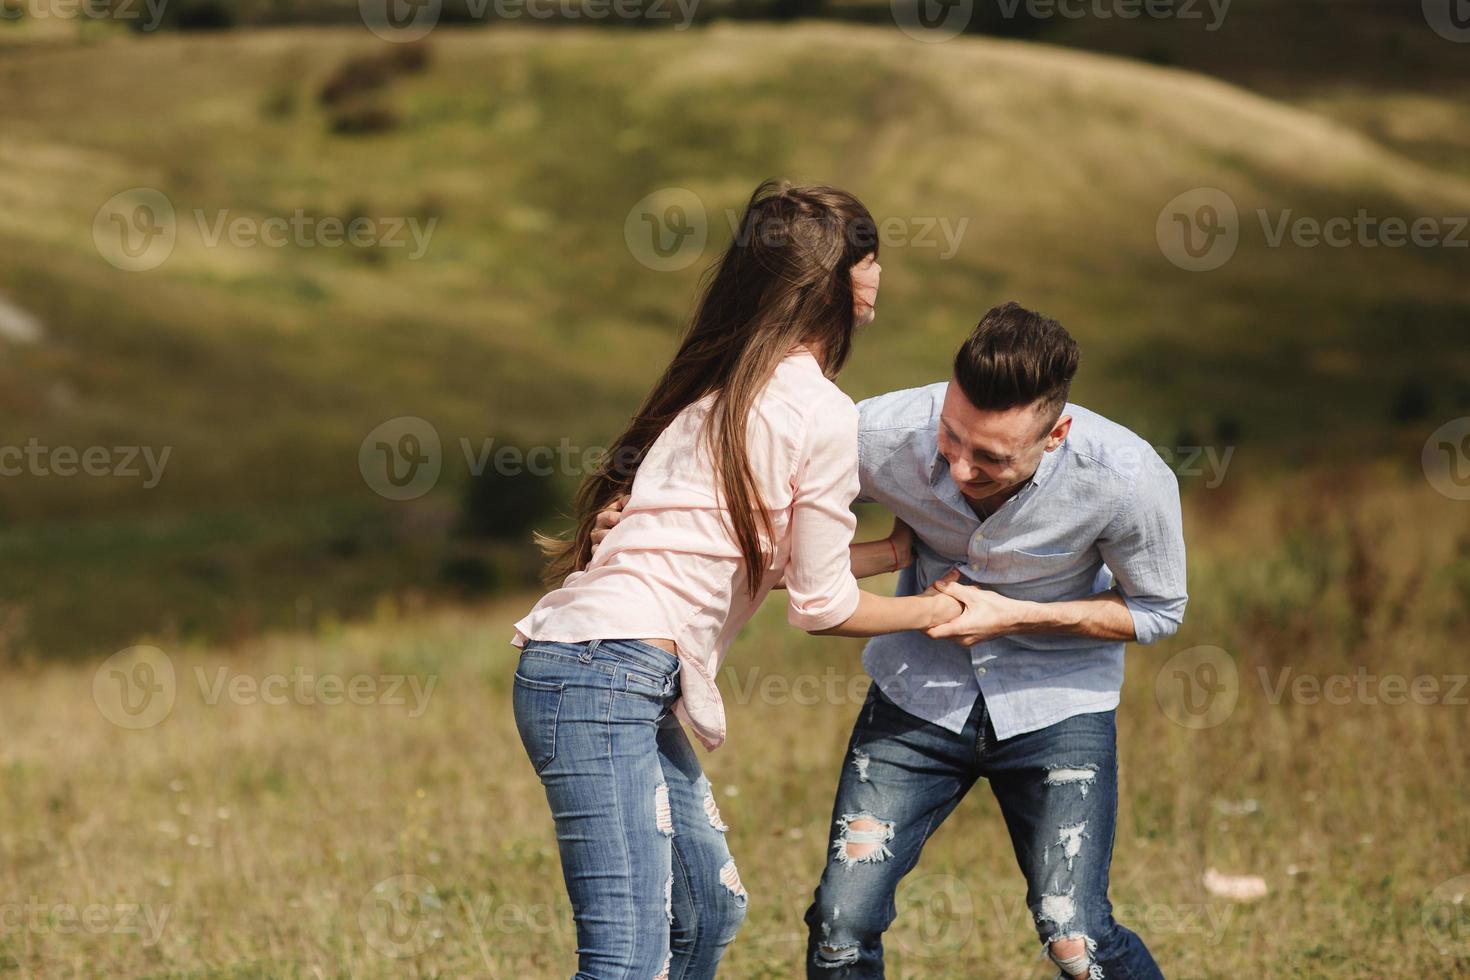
654, 891
1057, 790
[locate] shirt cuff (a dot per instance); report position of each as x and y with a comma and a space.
825, 615
1148, 623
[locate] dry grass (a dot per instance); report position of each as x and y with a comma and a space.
259, 832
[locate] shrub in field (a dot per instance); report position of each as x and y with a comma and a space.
353, 90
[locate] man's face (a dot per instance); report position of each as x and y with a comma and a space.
990, 452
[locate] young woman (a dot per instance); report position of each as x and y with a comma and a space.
740, 468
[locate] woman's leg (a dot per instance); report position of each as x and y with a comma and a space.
589, 721
706, 898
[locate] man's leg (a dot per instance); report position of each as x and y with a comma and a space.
1058, 790
900, 778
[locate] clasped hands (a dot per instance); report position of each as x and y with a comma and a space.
978, 614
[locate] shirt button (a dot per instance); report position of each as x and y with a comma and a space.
979, 670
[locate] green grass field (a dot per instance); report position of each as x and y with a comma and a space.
402, 833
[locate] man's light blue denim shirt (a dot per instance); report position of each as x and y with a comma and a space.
1101, 512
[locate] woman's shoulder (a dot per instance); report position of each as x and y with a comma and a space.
800, 383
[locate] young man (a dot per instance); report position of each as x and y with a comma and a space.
1071, 525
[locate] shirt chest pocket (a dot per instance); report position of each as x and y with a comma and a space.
1035, 567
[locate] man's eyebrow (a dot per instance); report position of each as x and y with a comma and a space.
975, 452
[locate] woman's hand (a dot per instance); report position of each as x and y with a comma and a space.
944, 607
607, 520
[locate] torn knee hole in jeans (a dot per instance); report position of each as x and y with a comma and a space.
862, 839
730, 878
1073, 952
831, 955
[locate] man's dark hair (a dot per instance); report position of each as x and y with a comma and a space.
1016, 357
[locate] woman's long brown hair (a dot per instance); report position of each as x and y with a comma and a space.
784, 281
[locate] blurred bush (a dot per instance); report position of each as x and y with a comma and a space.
354, 92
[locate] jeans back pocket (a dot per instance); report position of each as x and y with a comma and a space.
537, 705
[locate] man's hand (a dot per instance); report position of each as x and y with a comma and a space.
607, 520
985, 614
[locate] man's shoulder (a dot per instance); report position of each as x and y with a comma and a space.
1098, 441
896, 414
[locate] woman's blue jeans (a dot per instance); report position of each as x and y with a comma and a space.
654, 891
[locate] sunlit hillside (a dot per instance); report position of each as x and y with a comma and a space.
528, 309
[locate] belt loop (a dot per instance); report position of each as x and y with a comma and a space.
589, 650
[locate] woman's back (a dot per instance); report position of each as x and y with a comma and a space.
671, 568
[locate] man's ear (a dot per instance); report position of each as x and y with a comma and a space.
1058, 433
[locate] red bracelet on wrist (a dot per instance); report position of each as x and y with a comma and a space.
896, 565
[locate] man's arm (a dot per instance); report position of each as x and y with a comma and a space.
884, 555
1143, 546
1103, 616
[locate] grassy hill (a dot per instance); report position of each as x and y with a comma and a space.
529, 318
